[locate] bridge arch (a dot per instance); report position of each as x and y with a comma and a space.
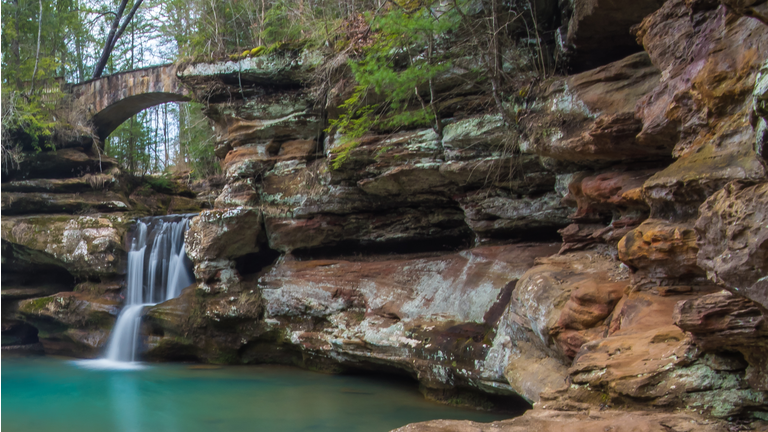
111, 100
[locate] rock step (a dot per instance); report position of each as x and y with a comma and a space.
86, 183
15, 203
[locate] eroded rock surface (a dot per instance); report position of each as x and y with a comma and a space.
733, 246
439, 254
588, 421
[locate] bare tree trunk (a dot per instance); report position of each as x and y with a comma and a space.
37, 54
165, 134
131, 150
108, 45
15, 49
128, 19
79, 54
79, 50
182, 160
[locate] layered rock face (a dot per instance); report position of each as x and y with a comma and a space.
65, 216
607, 254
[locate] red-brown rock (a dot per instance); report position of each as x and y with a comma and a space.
733, 239
710, 58
591, 120
661, 253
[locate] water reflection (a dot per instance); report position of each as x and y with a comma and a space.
129, 396
126, 405
175, 398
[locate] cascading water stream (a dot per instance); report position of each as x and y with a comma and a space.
158, 269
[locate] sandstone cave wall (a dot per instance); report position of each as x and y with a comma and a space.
607, 252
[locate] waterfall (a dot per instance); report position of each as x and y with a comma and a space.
158, 269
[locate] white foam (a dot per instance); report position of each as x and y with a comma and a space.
105, 364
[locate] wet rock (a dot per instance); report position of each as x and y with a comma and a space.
73, 323
19, 283
74, 309
733, 239
432, 315
17, 332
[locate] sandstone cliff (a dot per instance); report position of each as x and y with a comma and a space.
607, 254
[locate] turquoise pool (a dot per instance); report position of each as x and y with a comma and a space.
49, 394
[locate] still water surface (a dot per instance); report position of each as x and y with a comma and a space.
48, 394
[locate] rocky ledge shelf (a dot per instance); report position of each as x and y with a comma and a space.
610, 270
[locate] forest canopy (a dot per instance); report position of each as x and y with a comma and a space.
389, 47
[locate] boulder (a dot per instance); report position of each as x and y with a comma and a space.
223, 234
71, 323
733, 239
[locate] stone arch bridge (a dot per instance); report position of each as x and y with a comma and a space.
113, 99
